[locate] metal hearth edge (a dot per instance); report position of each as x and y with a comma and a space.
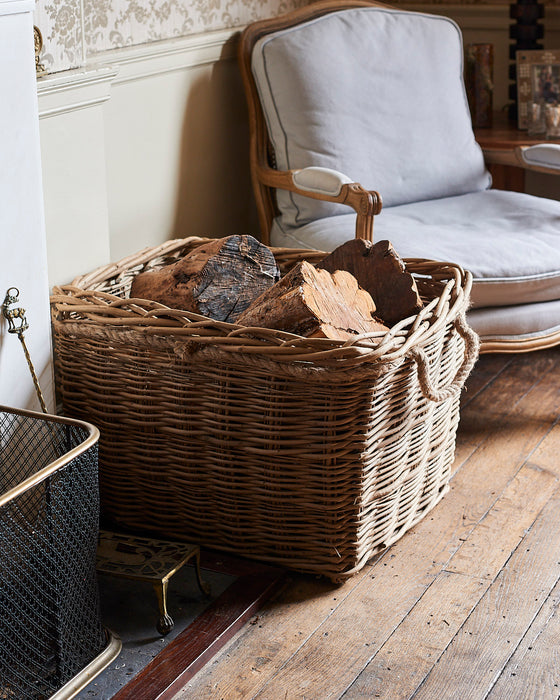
93, 669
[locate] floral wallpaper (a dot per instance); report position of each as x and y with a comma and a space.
75, 30
61, 27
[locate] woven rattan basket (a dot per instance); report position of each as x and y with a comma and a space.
310, 453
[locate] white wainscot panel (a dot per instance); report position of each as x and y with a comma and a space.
74, 170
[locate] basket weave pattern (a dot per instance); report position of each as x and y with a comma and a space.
310, 453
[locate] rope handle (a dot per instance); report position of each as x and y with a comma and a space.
472, 345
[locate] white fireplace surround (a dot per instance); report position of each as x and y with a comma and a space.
22, 232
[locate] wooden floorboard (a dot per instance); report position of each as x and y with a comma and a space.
465, 605
486, 641
420, 640
532, 671
201, 640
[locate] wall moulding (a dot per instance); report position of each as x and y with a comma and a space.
73, 90
12, 7
90, 86
159, 57
150, 59
79, 31
124, 191
147, 60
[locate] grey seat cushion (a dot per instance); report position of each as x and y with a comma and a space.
365, 91
519, 322
508, 240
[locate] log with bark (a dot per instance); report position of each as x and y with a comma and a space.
218, 279
380, 271
314, 303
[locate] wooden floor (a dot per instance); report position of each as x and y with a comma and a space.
463, 606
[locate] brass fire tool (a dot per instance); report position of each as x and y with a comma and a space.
17, 324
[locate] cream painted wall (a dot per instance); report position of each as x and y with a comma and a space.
143, 125
180, 139
149, 142
72, 126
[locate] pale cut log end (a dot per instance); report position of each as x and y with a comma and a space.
381, 272
314, 303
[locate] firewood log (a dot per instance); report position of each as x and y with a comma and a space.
380, 271
314, 303
218, 279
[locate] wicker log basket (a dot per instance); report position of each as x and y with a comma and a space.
306, 452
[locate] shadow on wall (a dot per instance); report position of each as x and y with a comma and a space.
214, 197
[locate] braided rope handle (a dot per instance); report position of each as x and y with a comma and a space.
472, 345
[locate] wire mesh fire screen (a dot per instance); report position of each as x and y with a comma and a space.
50, 626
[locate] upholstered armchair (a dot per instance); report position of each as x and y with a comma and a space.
351, 101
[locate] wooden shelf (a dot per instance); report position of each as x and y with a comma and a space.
498, 144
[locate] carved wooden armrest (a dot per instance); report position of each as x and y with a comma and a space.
330, 186
543, 157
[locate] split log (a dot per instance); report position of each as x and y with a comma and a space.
314, 303
381, 272
218, 279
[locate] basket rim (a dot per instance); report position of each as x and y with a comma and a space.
83, 309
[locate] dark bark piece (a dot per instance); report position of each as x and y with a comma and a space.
314, 303
380, 271
219, 279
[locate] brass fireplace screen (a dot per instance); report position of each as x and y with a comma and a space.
50, 625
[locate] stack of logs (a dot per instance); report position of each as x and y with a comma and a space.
360, 287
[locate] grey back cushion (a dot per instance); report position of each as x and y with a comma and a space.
377, 94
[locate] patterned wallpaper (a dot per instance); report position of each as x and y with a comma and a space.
74, 30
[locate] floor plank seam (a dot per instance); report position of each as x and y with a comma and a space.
502, 418
553, 426
516, 647
500, 532
393, 631
522, 465
363, 579
361, 576
488, 583
533, 642
491, 582
485, 386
